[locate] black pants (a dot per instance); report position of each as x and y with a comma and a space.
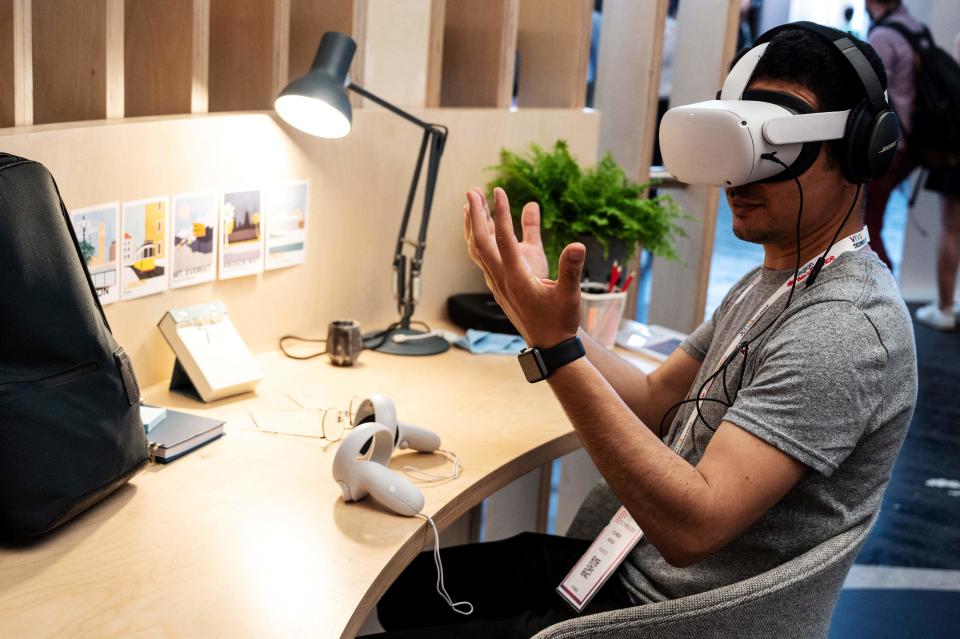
511, 584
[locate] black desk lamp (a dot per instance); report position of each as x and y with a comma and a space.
317, 104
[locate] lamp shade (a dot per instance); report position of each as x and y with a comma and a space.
317, 103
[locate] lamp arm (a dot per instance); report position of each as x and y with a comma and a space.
359, 90
407, 279
437, 137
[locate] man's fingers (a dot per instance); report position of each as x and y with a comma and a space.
530, 224
483, 243
571, 267
506, 240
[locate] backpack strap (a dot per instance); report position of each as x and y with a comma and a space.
915, 39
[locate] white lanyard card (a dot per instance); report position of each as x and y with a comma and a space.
601, 560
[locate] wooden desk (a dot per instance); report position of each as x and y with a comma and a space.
249, 536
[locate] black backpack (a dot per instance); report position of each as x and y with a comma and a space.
935, 136
70, 429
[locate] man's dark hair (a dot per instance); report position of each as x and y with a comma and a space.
803, 58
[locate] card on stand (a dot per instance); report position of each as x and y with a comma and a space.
213, 361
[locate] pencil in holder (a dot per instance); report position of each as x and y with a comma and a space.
600, 315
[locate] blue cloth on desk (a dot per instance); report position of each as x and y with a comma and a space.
484, 342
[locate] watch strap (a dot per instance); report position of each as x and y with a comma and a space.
563, 353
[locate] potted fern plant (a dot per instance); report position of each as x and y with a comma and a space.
598, 206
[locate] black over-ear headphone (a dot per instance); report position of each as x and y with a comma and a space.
873, 128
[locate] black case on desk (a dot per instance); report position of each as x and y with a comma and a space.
70, 428
479, 311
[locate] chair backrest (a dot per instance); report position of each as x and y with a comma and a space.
793, 600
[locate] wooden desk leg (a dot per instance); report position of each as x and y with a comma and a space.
543, 497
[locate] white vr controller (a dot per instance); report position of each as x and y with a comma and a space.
360, 467
380, 409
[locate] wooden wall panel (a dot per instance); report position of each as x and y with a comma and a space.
69, 60
479, 47
438, 15
706, 43
6, 63
309, 20
553, 43
632, 40
396, 50
246, 40
158, 56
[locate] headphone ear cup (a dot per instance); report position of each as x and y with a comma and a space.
862, 162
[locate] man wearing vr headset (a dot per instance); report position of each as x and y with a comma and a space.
806, 373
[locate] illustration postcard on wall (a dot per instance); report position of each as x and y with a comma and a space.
286, 221
97, 228
194, 226
241, 239
145, 253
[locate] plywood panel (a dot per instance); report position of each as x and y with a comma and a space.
69, 60
632, 39
357, 191
244, 43
396, 50
435, 53
309, 20
479, 47
6, 63
553, 43
158, 63
679, 289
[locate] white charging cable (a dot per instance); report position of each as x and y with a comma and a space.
425, 476
447, 335
465, 607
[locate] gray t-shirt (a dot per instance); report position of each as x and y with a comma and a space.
832, 383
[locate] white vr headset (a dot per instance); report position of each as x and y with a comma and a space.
723, 142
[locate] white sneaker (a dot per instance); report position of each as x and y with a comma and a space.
931, 315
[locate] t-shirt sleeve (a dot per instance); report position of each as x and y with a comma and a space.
698, 342
818, 385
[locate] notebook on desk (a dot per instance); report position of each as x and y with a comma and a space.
179, 433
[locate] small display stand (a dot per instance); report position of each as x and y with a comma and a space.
213, 361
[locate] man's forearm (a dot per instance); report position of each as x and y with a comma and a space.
669, 499
630, 383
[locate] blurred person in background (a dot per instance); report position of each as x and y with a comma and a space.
941, 314
897, 56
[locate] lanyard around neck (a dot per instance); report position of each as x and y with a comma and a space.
853, 242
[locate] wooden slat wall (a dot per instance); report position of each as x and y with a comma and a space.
396, 50
22, 63
159, 56
438, 14
69, 60
632, 39
553, 42
479, 47
6, 63
245, 36
679, 289
309, 20
200, 52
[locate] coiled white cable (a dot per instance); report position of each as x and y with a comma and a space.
425, 476
465, 607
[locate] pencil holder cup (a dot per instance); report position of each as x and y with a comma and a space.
600, 315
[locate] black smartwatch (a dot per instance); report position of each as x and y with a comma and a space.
539, 363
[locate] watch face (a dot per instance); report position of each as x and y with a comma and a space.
531, 365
